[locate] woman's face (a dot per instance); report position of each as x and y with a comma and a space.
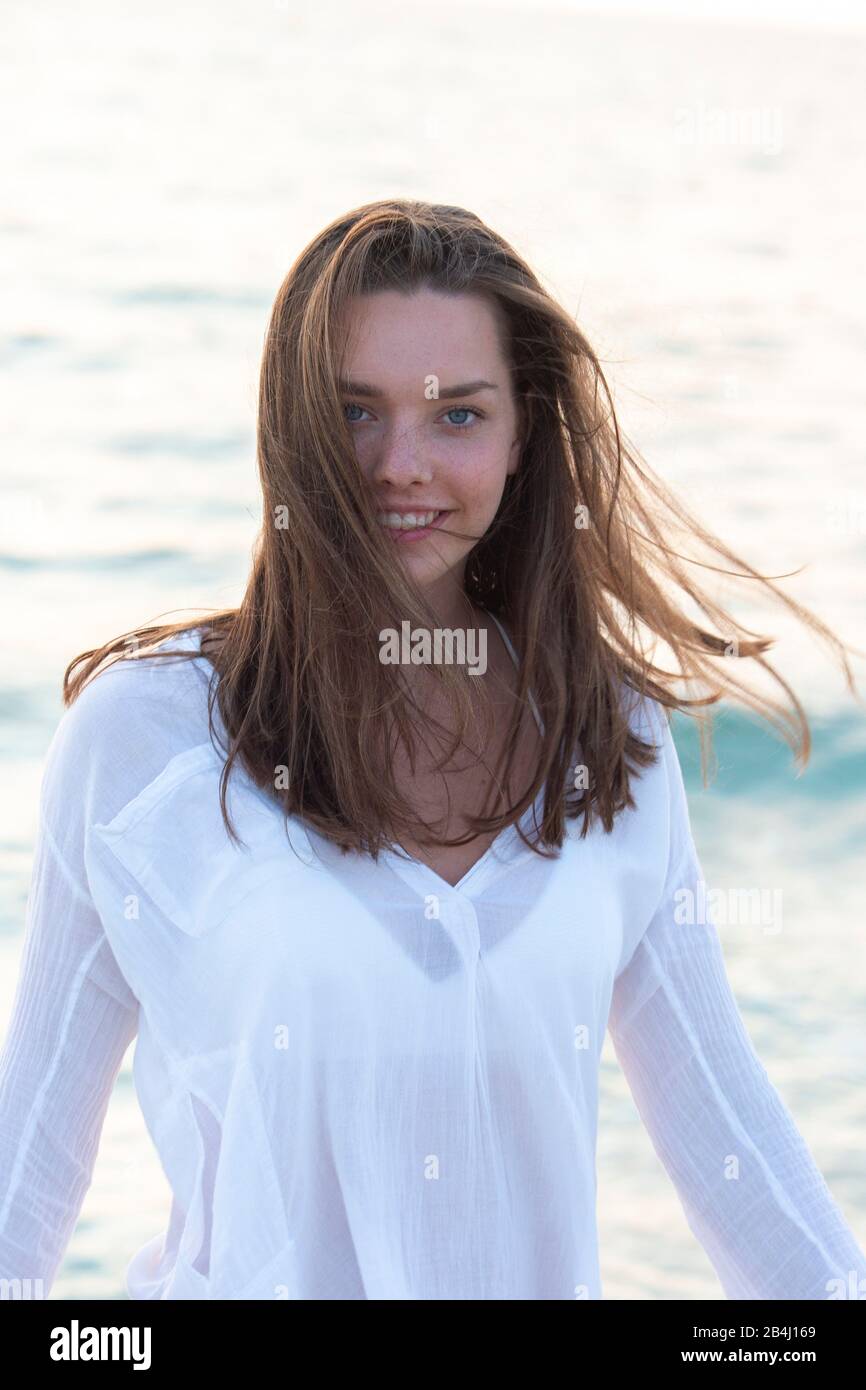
422, 444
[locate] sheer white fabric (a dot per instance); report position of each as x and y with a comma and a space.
361, 1081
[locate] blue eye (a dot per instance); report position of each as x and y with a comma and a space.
455, 410
464, 410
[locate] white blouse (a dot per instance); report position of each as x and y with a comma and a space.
364, 1083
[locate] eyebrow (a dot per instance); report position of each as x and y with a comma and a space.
446, 393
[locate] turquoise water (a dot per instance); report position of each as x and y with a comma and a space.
168, 175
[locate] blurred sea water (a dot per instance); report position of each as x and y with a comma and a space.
693, 193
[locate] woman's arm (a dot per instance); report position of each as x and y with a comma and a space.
73, 1019
750, 1189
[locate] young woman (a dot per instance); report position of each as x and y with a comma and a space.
370, 912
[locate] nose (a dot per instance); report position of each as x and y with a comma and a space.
400, 458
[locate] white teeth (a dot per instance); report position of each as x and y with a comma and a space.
411, 521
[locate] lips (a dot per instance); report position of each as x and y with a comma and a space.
415, 520
411, 525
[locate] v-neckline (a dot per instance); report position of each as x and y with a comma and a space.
411, 868
416, 870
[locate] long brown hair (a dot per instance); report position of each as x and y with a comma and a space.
582, 563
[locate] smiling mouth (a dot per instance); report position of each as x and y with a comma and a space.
408, 523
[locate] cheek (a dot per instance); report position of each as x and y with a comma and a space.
479, 476
365, 453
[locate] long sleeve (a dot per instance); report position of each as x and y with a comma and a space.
749, 1187
73, 1018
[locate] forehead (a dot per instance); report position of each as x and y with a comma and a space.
390, 335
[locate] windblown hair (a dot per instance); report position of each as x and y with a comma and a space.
297, 673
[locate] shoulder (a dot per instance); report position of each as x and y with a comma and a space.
126, 723
139, 688
648, 719
664, 789
659, 788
